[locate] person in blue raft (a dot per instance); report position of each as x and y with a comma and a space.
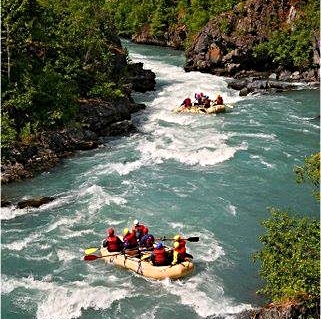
147, 241
159, 256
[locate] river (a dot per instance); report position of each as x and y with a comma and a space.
212, 176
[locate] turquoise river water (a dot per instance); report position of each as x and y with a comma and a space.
198, 175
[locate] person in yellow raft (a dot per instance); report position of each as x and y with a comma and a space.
179, 251
219, 100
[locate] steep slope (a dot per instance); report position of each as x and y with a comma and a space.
240, 43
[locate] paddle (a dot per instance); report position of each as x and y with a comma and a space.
191, 239
90, 251
229, 105
145, 257
94, 257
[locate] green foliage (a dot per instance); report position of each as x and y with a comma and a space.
160, 15
25, 133
8, 133
225, 26
160, 19
290, 258
310, 172
54, 53
290, 46
107, 91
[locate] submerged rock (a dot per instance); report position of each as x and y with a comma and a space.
34, 202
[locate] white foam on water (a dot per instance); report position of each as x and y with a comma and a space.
188, 142
11, 212
64, 301
63, 221
188, 149
99, 198
205, 303
73, 234
177, 226
19, 245
42, 257
231, 209
262, 161
262, 136
67, 255
125, 168
209, 249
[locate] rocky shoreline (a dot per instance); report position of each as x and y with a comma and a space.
95, 120
286, 310
262, 84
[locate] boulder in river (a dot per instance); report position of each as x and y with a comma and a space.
35, 202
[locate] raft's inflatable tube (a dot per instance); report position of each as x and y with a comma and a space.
145, 268
215, 109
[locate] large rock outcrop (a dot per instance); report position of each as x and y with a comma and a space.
174, 37
225, 45
95, 119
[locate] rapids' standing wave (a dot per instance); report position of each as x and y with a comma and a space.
200, 175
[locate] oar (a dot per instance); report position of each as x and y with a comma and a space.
191, 239
94, 257
229, 105
145, 257
90, 251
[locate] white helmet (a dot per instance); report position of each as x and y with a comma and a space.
136, 222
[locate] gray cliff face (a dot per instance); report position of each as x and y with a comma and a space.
225, 45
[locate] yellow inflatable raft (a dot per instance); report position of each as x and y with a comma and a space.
214, 109
145, 268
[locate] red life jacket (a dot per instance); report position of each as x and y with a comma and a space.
130, 240
147, 241
139, 231
182, 248
188, 102
160, 257
114, 243
207, 103
219, 100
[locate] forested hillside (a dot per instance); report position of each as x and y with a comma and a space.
59, 61
53, 53
160, 20
226, 36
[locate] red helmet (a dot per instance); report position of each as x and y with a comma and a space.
145, 230
110, 231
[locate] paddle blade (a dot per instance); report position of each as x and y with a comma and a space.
90, 251
145, 257
193, 239
91, 257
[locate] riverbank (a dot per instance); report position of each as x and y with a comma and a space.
95, 120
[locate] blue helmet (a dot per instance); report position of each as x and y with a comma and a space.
159, 246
